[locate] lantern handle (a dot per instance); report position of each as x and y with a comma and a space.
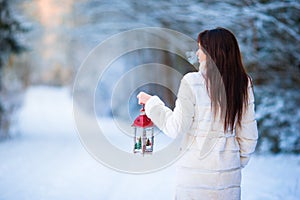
143, 107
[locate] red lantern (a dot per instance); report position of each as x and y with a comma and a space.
143, 133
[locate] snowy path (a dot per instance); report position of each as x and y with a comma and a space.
47, 161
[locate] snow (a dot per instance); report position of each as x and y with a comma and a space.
47, 161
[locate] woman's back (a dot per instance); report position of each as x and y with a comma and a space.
211, 167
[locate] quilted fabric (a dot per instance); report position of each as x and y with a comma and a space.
211, 166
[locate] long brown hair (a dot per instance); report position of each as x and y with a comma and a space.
226, 78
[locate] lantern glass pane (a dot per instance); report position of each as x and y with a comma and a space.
143, 140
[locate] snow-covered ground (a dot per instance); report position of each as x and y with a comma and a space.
46, 160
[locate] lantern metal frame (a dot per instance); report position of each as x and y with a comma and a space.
143, 133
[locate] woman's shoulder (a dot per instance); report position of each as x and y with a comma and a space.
194, 78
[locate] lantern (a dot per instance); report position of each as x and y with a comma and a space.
143, 133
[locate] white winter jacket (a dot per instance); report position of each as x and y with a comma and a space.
211, 167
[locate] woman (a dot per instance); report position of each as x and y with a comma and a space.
214, 107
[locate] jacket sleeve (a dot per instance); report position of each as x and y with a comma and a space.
247, 133
175, 122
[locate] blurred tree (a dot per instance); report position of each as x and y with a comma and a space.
10, 29
272, 34
273, 39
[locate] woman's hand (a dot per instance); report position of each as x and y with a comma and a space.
143, 97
